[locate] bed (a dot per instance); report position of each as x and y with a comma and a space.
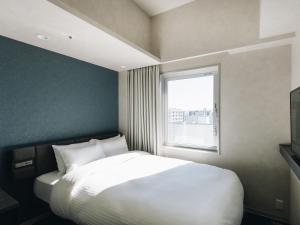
140, 189
136, 188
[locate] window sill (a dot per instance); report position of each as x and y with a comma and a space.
192, 149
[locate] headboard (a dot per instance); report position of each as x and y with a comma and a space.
34, 160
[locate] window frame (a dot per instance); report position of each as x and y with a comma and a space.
188, 74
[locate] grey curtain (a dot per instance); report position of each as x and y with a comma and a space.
143, 94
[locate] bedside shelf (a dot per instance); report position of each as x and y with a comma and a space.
8, 208
290, 157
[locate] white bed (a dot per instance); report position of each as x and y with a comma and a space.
140, 189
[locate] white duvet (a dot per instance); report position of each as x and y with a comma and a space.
141, 189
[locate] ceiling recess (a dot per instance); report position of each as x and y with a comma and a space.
47, 21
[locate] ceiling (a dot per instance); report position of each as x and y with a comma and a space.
154, 7
24, 20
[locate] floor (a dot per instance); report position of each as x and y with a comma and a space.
249, 219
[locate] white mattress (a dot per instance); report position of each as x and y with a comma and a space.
43, 185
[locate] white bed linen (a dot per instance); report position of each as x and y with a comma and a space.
140, 189
43, 185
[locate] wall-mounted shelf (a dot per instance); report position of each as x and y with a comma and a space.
290, 157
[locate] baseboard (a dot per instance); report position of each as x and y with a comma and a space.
268, 216
247, 210
36, 219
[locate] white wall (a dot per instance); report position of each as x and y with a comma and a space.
123, 102
295, 182
278, 17
254, 120
205, 26
296, 60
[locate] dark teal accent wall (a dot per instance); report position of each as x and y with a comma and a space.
46, 96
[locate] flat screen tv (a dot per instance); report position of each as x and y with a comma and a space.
295, 121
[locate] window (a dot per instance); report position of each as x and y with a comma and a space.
191, 108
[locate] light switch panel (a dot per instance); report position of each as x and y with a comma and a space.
23, 164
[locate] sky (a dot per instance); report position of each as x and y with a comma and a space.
191, 94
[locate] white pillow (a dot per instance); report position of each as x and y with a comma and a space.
74, 158
114, 147
105, 140
58, 149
